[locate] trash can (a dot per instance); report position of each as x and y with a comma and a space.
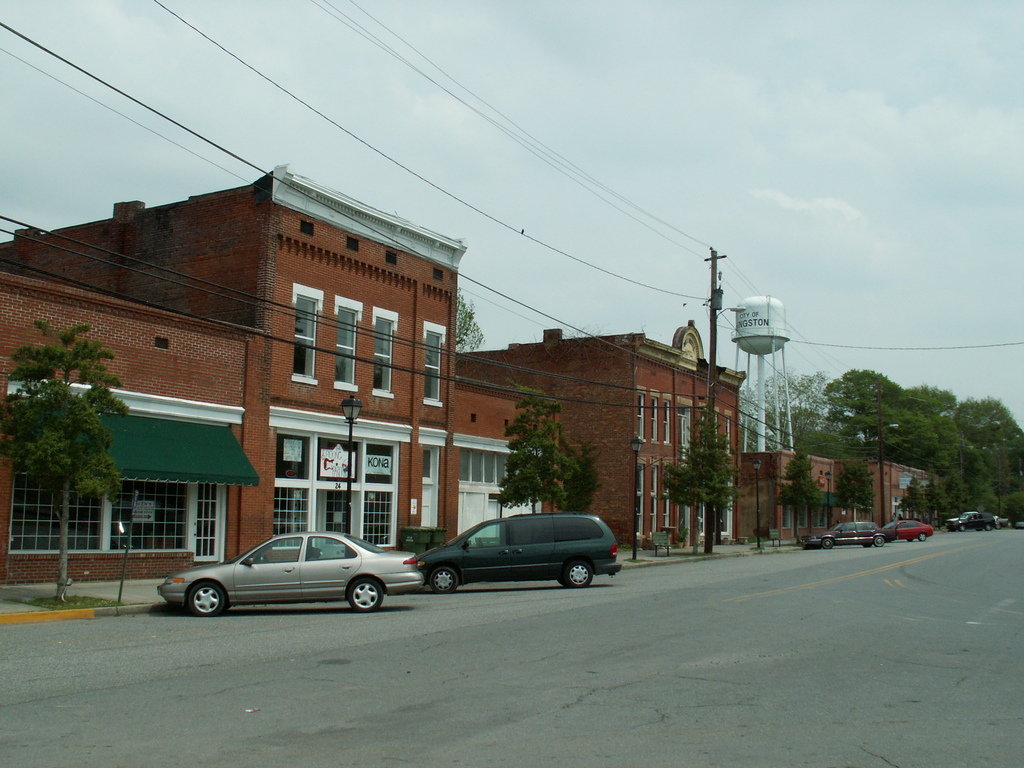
415, 539
438, 536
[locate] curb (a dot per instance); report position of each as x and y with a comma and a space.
681, 558
31, 617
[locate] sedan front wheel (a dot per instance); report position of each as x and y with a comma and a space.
878, 541
207, 599
921, 537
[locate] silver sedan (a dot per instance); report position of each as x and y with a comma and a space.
295, 568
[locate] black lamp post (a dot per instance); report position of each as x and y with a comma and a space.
757, 500
828, 498
350, 406
636, 443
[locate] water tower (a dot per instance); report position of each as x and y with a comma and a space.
761, 331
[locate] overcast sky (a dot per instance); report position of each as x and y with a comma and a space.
863, 162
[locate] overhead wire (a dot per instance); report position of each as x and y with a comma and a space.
507, 125
433, 185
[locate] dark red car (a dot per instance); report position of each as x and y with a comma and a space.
909, 530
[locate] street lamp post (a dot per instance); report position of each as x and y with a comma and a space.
828, 498
350, 406
757, 501
636, 443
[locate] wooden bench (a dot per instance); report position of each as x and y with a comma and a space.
774, 538
660, 539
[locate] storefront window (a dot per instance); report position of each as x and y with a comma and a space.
379, 464
161, 513
34, 523
157, 516
291, 510
292, 457
377, 517
333, 459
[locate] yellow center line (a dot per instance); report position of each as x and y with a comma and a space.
858, 574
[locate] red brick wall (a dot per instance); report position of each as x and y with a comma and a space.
253, 251
203, 362
599, 380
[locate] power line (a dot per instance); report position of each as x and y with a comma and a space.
437, 187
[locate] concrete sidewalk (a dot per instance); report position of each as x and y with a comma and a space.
140, 595
137, 596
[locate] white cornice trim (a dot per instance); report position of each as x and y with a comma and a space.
294, 420
160, 406
320, 202
429, 436
480, 443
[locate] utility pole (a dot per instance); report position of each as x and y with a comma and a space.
711, 517
883, 512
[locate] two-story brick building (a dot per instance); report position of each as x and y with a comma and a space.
268, 305
615, 388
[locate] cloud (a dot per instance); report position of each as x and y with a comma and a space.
818, 204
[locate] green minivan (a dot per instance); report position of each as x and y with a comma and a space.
569, 547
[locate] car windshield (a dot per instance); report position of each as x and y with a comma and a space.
893, 524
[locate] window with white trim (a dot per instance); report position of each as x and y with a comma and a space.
640, 416
174, 511
666, 424
433, 342
481, 466
385, 325
308, 303
654, 419
685, 417
291, 510
654, 495
349, 313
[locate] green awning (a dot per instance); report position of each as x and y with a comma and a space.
178, 451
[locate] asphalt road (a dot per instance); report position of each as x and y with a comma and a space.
908, 655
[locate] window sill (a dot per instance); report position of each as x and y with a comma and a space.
299, 379
433, 403
345, 386
383, 393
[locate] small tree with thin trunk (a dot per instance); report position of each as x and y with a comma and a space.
799, 490
52, 431
705, 475
536, 467
854, 488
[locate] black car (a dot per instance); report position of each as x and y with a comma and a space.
865, 534
972, 521
568, 547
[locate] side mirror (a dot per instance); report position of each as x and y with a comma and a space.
247, 561
465, 545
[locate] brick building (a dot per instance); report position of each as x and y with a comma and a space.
759, 495
259, 309
611, 389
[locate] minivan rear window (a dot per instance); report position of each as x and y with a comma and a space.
576, 529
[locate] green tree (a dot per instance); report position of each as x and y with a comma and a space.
812, 431
858, 401
705, 475
957, 498
468, 335
581, 480
855, 487
536, 466
799, 490
914, 503
935, 499
52, 431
